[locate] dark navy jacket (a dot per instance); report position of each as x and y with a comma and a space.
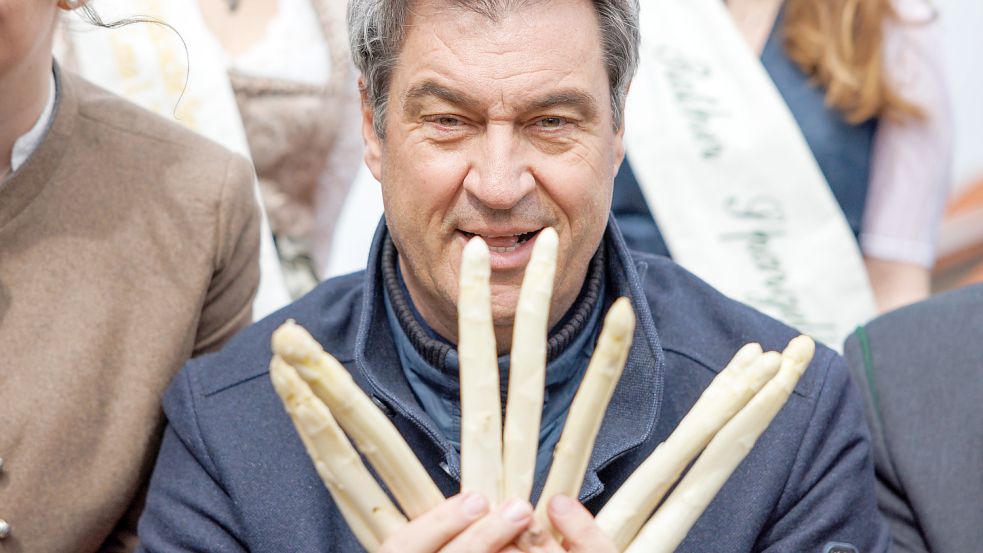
232, 474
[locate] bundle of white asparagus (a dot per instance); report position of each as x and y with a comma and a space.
328, 407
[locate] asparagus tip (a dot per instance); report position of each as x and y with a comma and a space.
801, 349
620, 319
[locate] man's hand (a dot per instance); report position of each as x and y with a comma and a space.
463, 524
575, 524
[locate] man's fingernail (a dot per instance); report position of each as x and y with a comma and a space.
561, 505
517, 511
475, 505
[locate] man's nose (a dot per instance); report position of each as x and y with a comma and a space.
499, 176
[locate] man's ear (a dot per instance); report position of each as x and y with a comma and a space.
373, 144
619, 145
619, 136
619, 148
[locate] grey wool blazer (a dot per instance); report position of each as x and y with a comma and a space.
921, 372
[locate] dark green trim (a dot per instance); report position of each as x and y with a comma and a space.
861, 333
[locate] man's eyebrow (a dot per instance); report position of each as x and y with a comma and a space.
574, 98
432, 89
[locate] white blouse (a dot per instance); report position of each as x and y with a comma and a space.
25, 145
912, 159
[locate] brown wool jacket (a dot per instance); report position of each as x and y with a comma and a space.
127, 245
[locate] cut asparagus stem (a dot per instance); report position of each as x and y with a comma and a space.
527, 372
481, 408
669, 525
731, 390
366, 508
370, 429
572, 453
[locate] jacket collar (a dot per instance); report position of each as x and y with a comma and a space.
25, 184
632, 413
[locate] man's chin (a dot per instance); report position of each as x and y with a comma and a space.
504, 302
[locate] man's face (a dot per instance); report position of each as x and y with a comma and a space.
497, 129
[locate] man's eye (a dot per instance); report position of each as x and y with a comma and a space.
551, 122
446, 121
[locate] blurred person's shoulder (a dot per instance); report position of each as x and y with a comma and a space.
920, 372
131, 141
930, 348
946, 325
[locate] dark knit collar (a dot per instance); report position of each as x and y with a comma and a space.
434, 349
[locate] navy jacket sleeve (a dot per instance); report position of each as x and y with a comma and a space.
828, 498
187, 509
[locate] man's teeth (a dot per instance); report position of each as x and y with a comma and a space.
506, 244
503, 250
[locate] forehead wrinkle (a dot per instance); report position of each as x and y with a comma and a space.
480, 64
505, 102
483, 36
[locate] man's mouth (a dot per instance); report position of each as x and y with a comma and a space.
504, 243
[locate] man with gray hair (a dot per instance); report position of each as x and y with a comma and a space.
499, 119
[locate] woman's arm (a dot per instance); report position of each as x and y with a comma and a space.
228, 303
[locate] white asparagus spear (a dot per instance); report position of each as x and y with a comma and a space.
527, 372
366, 508
572, 453
729, 391
481, 407
370, 429
669, 525
363, 534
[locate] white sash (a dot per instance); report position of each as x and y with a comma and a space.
147, 64
737, 193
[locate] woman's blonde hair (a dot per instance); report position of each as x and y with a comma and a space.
840, 44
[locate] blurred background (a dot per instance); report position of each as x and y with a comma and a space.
961, 243
341, 208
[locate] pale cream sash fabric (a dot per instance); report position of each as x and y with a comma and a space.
737, 193
147, 64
